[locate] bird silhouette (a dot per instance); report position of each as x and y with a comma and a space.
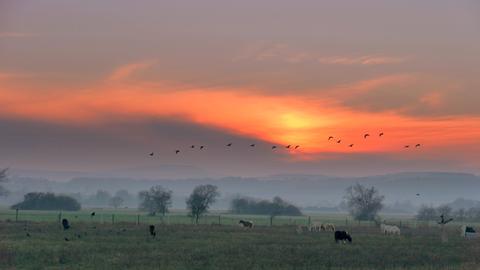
366, 136
407, 146
252, 145
201, 147
66, 239
329, 138
297, 146
381, 134
230, 144
92, 214
177, 151
339, 141
274, 147
193, 146
288, 146
351, 145
418, 145
418, 194
151, 154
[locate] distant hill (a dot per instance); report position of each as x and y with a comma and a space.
304, 190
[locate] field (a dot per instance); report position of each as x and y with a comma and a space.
98, 244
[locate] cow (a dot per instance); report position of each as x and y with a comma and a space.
342, 236
302, 228
153, 233
65, 224
246, 224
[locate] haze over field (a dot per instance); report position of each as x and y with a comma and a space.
92, 87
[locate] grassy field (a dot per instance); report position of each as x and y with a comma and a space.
126, 245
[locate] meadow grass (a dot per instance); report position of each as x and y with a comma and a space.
126, 245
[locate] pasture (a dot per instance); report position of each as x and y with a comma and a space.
99, 244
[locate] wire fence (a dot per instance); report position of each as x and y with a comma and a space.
113, 217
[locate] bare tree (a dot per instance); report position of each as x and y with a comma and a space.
200, 200
364, 203
3, 179
156, 199
116, 201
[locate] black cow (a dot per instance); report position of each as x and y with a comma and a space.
342, 236
153, 233
246, 223
65, 224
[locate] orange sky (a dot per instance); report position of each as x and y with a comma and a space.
296, 74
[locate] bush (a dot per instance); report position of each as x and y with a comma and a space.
47, 201
277, 207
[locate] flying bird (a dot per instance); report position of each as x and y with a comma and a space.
366, 136
339, 141
151, 154
288, 146
418, 145
351, 145
193, 146
418, 194
381, 134
230, 144
252, 145
297, 146
274, 147
329, 138
201, 147
177, 151
407, 146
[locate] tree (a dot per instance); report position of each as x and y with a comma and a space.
245, 205
102, 197
201, 199
364, 203
427, 213
156, 199
116, 201
3, 179
47, 201
444, 210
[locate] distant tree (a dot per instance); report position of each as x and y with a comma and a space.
245, 205
3, 179
427, 213
116, 201
364, 203
102, 197
47, 201
444, 210
156, 199
460, 214
201, 199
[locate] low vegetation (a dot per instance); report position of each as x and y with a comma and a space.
47, 201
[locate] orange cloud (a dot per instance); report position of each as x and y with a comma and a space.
361, 60
292, 119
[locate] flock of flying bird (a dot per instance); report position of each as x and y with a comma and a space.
294, 147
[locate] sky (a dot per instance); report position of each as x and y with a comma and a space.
94, 86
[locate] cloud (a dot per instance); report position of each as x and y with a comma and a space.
264, 51
16, 35
126, 71
368, 60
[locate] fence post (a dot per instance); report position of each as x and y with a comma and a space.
16, 215
309, 221
346, 221
59, 217
219, 220
138, 219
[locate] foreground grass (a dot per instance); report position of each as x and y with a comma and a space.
128, 246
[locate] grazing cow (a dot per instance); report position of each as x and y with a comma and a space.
153, 233
389, 229
65, 224
342, 236
302, 228
330, 227
246, 224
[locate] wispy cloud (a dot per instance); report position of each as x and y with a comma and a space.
125, 71
16, 35
264, 51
